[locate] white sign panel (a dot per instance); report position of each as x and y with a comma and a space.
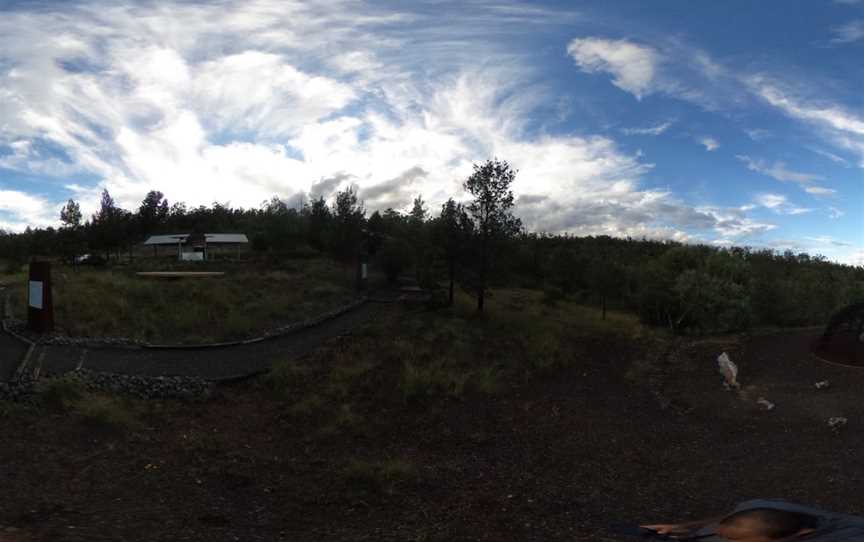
192, 256
363, 271
36, 294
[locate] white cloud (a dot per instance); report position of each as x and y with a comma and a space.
256, 92
829, 115
841, 127
828, 240
758, 134
778, 170
237, 101
831, 156
779, 204
835, 213
632, 66
849, 32
19, 209
820, 191
710, 143
652, 130
356, 62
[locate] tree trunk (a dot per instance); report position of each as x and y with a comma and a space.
604, 307
481, 287
452, 277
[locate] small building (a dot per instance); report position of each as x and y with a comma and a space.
198, 246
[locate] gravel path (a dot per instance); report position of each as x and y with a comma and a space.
209, 363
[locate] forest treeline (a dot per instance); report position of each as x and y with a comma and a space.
480, 243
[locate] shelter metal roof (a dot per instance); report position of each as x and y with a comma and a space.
166, 239
226, 238
210, 237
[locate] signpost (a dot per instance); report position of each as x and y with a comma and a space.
40, 307
362, 273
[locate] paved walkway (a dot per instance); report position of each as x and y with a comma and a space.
210, 363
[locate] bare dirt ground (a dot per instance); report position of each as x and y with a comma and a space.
625, 434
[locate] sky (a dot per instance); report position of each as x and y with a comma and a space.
723, 123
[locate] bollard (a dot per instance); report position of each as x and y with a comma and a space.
40, 307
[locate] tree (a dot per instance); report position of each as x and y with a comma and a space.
70, 235
607, 280
319, 222
375, 232
153, 212
491, 214
348, 219
418, 215
451, 230
70, 215
419, 240
108, 229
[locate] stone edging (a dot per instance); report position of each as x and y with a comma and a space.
272, 334
26, 390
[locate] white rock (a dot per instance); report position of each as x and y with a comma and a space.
765, 403
823, 384
729, 371
837, 422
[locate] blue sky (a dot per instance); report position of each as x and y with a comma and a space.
723, 123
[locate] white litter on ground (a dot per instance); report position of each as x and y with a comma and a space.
729, 371
837, 422
823, 384
765, 403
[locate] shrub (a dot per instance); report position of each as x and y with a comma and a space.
60, 393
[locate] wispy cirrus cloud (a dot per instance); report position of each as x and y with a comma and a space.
848, 33
677, 69
820, 191
778, 170
651, 130
248, 101
835, 213
779, 204
840, 126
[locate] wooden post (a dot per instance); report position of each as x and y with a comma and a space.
40, 306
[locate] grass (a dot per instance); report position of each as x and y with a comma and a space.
411, 358
243, 303
378, 477
99, 409
9, 409
436, 379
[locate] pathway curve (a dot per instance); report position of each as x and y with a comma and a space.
220, 363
